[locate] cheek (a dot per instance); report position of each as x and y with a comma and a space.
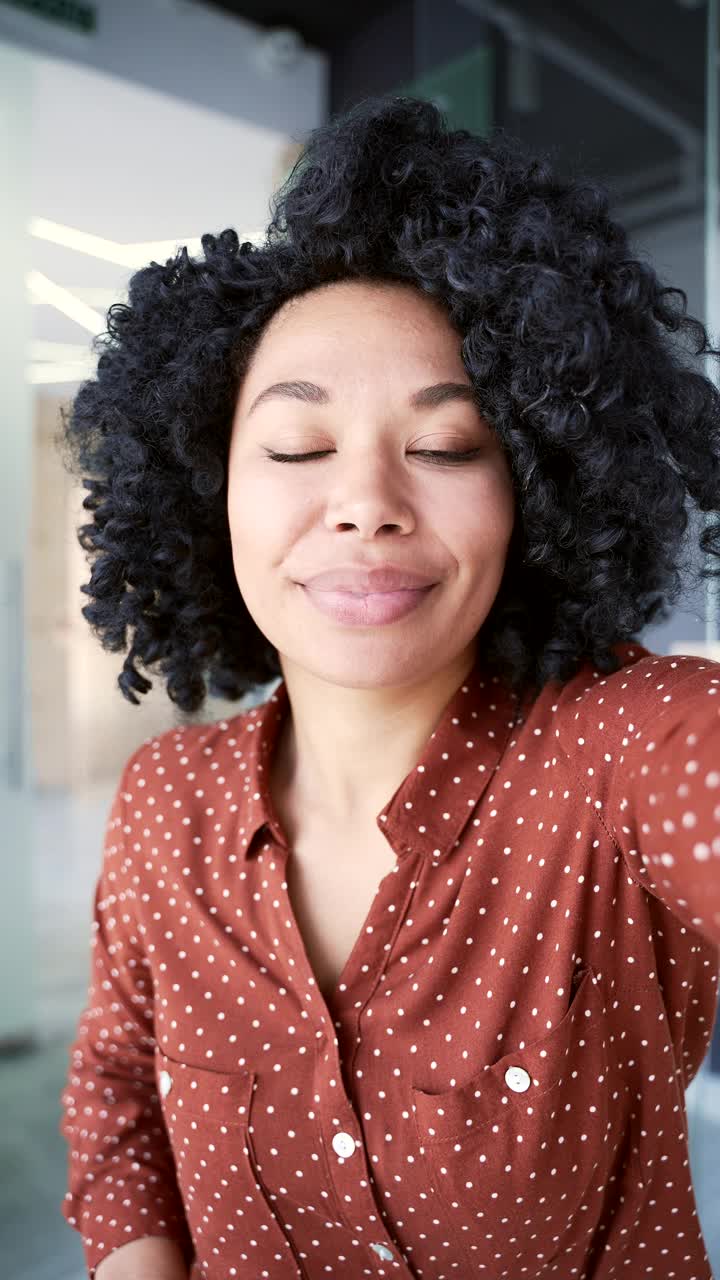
474, 520
249, 504
264, 513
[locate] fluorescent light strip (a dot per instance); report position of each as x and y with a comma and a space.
94, 297
137, 254
63, 363
46, 372
54, 294
57, 351
59, 362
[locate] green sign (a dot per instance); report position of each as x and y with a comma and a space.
71, 13
462, 89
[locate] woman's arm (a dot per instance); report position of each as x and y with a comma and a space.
122, 1186
151, 1258
665, 802
654, 730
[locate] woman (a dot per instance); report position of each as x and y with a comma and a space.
405, 970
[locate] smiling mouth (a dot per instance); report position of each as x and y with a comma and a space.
367, 608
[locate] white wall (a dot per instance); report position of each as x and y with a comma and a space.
196, 53
133, 164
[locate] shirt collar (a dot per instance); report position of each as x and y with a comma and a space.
436, 800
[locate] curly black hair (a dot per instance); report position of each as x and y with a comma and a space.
608, 426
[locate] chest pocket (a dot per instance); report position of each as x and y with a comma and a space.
228, 1209
518, 1154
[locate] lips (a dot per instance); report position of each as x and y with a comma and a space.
373, 609
364, 580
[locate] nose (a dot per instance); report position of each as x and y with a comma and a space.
369, 496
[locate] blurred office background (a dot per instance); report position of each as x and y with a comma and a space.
127, 128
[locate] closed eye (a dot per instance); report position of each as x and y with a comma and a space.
442, 455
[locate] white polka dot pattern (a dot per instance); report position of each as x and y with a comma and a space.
495, 1086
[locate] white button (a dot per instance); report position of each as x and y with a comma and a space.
165, 1083
383, 1252
343, 1144
517, 1079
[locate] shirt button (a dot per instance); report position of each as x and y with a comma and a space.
517, 1079
343, 1144
383, 1252
165, 1083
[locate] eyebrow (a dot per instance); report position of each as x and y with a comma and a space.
431, 397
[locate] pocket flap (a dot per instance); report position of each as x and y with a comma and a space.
200, 1091
566, 1051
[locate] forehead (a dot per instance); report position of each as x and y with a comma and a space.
352, 301
338, 326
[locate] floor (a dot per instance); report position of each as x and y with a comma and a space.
35, 1241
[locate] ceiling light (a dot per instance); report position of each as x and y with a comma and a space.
137, 254
57, 351
39, 374
46, 290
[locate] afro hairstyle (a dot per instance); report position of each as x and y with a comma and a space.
573, 345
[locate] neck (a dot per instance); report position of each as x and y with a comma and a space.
343, 752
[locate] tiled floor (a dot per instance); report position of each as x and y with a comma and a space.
35, 1241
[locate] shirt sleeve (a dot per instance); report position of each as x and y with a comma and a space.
121, 1172
664, 796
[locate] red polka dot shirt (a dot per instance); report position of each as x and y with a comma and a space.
495, 1087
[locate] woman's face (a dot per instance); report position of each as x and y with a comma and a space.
374, 497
